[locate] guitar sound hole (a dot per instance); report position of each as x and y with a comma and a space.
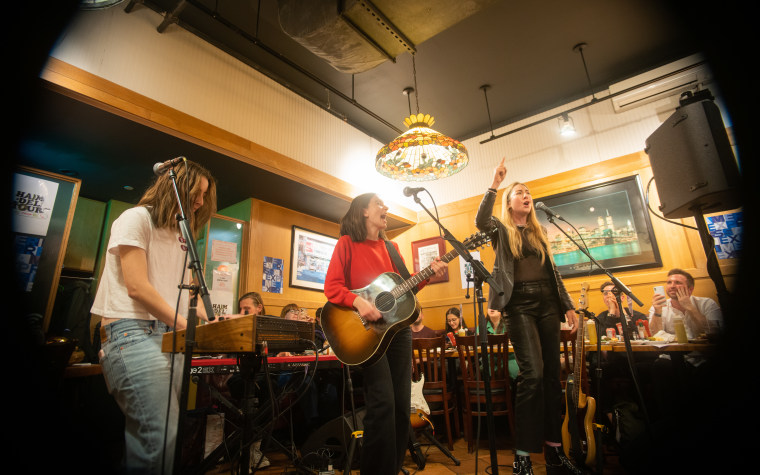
385, 301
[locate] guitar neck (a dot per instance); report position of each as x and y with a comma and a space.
580, 354
424, 274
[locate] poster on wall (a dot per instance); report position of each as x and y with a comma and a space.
28, 251
32, 204
465, 269
726, 230
272, 280
222, 290
425, 251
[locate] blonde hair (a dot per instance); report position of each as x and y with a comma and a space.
161, 202
534, 233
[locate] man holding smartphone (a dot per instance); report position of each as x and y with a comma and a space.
678, 301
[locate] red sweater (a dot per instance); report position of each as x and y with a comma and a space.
355, 265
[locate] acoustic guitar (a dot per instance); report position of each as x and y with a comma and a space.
578, 440
356, 341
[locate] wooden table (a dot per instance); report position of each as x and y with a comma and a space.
654, 346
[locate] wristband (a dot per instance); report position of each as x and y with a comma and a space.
492, 190
657, 314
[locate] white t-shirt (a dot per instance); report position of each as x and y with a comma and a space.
706, 307
165, 251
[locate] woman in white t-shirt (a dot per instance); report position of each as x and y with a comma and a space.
138, 299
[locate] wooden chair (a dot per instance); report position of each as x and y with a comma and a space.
474, 397
429, 358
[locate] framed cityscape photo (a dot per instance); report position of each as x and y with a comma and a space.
610, 219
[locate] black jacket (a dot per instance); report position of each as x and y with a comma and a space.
504, 264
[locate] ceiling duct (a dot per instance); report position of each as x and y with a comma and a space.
688, 74
356, 35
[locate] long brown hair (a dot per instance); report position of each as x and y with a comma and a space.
257, 300
353, 223
534, 233
161, 202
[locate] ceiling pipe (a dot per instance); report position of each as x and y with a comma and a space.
255, 41
592, 102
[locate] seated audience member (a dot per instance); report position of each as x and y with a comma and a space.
695, 311
232, 385
455, 323
496, 324
616, 382
611, 317
675, 383
323, 388
319, 334
419, 330
290, 312
250, 303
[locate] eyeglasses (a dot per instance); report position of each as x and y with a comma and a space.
607, 291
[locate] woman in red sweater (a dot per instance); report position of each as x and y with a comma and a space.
359, 257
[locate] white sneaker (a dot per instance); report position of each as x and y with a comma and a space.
256, 455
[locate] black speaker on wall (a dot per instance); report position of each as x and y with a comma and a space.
692, 161
330, 443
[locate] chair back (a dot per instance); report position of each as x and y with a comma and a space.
428, 355
473, 384
497, 347
567, 341
429, 359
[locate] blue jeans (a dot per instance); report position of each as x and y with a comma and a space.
137, 376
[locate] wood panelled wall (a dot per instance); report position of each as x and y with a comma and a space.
270, 236
679, 246
270, 230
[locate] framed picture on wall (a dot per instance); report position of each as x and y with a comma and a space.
424, 251
310, 254
610, 219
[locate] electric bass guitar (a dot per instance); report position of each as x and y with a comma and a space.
578, 440
356, 341
420, 411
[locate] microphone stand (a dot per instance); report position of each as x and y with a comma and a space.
192, 318
480, 275
621, 288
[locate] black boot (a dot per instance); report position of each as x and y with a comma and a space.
557, 463
522, 465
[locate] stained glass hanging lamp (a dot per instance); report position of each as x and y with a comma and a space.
421, 153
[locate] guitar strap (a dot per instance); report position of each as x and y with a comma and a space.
398, 262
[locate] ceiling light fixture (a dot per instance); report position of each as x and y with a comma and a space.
420, 153
566, 125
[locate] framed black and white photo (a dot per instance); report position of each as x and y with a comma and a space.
613, 223
309, 257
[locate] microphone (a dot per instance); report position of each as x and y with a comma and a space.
161, 167
540, 205
412, 191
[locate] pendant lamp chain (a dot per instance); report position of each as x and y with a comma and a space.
416, 90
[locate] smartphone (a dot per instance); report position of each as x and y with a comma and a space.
659, 289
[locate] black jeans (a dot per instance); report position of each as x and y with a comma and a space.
533, 322
387, 396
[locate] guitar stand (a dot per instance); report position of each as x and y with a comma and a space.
426, 432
